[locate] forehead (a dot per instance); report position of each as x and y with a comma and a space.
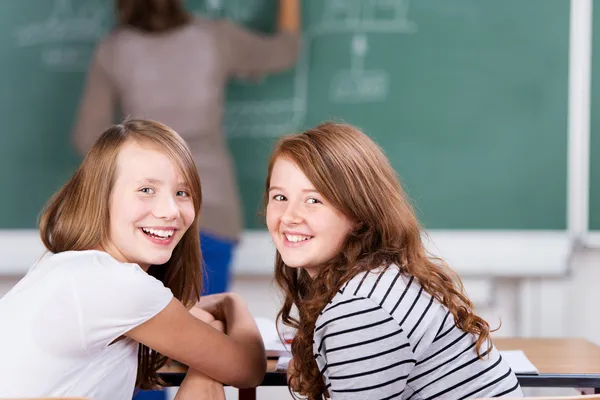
286, 173
144, 161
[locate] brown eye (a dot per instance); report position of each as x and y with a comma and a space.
147, 190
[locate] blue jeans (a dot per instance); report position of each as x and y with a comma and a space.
217, 254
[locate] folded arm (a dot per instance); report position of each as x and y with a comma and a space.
237, 359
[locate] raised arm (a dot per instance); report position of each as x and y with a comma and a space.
251, 55
236, 359
289, 16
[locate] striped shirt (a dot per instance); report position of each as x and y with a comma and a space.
383, 337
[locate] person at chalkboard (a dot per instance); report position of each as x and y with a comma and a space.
376, 316
163, 63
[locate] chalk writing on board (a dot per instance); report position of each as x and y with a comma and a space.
67, 35
359, 83
366, 16
239, 11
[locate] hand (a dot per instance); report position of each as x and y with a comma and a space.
218, 325
216, 304
202, 315
207, 317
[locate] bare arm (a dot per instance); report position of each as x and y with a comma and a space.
198, 386
251, 55
237, 359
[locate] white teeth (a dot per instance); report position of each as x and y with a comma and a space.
165, 234
296, 238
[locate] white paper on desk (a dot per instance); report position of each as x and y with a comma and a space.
283, 363
518, 362
273, 345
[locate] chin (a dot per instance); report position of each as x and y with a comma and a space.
158, 259
293, 263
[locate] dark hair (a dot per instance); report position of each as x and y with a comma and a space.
153, 16
77, 217
353, 174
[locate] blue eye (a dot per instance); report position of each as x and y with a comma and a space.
279, 197
147, 190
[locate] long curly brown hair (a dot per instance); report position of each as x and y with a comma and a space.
350, 171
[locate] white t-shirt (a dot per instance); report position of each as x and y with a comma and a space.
57, 323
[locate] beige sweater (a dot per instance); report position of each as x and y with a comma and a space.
179, 78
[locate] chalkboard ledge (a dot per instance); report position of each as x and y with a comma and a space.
471, 253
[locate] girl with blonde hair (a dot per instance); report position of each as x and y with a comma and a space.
118, 291
375, 316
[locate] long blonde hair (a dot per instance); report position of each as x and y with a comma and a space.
356, 178
77, 217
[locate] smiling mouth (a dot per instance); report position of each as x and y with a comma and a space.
158, 234
296, 238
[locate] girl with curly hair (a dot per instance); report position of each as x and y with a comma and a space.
376, 316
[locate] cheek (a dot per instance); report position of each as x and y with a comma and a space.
333, 227
188, 213
272, 217
136, 209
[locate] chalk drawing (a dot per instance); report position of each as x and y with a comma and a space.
66, 37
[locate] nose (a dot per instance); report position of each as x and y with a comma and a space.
166, 208
291, 215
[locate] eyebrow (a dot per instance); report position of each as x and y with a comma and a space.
303, 190
155, 181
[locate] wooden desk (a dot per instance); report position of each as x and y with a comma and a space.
573, 363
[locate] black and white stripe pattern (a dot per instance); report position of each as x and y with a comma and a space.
383, 337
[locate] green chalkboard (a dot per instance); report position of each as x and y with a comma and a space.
594, 199
467, 97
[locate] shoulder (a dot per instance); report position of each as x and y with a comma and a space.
400, 295
391, 288
349, 316
87, 258
122, 287
100, 270
383, 285
205, 26
105, 48
91, 261
111, 39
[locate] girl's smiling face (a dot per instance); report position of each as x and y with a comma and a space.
150, 206
306, 229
